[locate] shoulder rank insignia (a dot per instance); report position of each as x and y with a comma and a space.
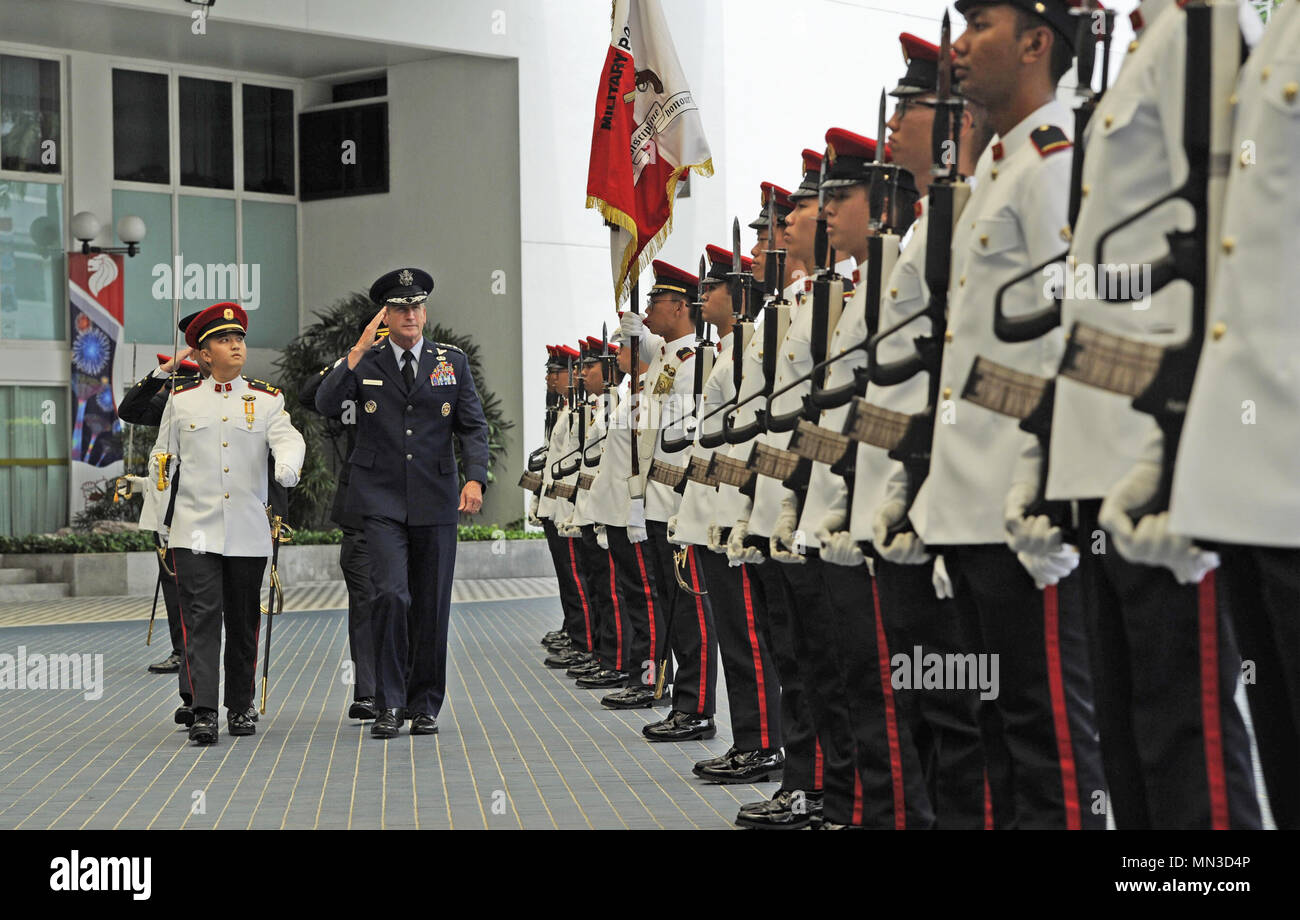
263, 386
1050, 139
186, 385
444, 345
684, 353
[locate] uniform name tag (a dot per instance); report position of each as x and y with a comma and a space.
373, 383
443, 375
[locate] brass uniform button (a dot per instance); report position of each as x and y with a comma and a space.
1218, 331
1086, 191
191, 424
893, 292
227, 495
1132, 46
225, 443
1110, 120
984, 241
962, 281
947, 392
1233, 100
223, 418
791, 356
1290, 91
1265, 74
1229, 244
995, 172
947, 336
225, 469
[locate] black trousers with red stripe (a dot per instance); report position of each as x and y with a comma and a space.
213, 588
890, 790
942, 720
753, 688
691, 635
602, 597
1165, 668
573, 593
816, 646
1039, 733
803, 757
641, 615
1262, 584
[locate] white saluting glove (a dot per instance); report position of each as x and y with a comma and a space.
939, 578
1047, 569
532, 511
286, 475
1150, 542
716, 542
1036, 535
631, 324
602, 538
784, 537
737, 552
837, 545
672, 532
905, 548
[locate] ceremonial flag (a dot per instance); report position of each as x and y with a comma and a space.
96, 305
646, 135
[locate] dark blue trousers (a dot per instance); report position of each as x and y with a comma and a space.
411, 570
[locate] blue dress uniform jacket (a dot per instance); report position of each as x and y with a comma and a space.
403, 467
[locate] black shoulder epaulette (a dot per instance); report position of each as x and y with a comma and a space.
448, 347
684, 353
263, 386
1050, 139
188, 384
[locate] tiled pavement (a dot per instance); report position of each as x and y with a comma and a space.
520, 745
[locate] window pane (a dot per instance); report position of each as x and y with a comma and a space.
140, 147
33, 498
146, 279
29, 115
33, 276
207, 245
268, 140
207, 134
271, 253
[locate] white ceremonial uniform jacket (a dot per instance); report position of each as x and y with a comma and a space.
611, 491
672, 382
697, 508
554, 451
1014, 220
564, 507
595, 448
1134, 156
1236, 477
222, 437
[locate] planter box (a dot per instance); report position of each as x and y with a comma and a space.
134, 574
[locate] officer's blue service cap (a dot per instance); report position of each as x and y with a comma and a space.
402, 286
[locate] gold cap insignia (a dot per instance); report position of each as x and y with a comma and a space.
228, 313
405, 277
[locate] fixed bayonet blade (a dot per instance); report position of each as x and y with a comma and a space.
880, 129
604, 340
735, 245
945, 59
1087, 52
700, 286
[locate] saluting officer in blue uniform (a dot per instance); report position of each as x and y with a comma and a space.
410, 397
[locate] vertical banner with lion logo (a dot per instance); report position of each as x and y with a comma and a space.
95, 298
647, 134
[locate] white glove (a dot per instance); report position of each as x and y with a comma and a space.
737, 552
602, 538
939, 578
837, 545
286, 475
138, 483
153, 469
782, 542
715, 539
1151, 543
672, 532
632, 325
532, 511
636, 534
1035, 535
636, 514
905, 548
1047, 569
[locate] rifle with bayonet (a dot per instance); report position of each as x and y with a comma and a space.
1160, 379
704, 355
608, 372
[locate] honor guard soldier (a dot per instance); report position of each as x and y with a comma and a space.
1157, 713
214, 439
663, 409
778, 201
354, 560
1231, 488
753, 688
1039, 736
415, 397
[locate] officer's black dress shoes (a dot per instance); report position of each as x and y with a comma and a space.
584, 669
387, 725
784, 811
251, 713
423, 724
555, 635
636, 698
567, 658
239, 724
720, 760
603, 678
559, 643
363, 709
184, 715
204, 729
746, 767
169, 665
681, 726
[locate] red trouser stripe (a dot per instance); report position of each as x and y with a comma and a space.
760, 679
817, 764
650, 611
891, 715
1056, 686
704, 630
988, 803
185, 642
582, 596
1208, 627
857, 797
618, 622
